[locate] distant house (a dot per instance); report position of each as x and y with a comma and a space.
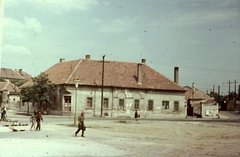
127, 87
199, 103
9, 93
9, 74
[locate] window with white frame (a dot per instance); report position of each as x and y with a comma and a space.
136, 104
121, 104
165, 105
105, 103
89, 102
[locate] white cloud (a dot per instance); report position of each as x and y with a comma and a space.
15, 50
55, 6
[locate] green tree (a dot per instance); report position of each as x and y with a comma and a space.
19, 82
39, 91
42, 89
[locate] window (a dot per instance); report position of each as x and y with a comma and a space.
165, 105
105, 103
150, 105
67, 100
136, 104
89, 102
176, 105
121, 104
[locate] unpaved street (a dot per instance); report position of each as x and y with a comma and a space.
125, 138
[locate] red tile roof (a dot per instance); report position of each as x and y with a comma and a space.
8, 86
14, 74
195, 94
116, 74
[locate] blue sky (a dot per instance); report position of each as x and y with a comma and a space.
199, 37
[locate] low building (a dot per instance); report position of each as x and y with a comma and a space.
199, 104
126, 87
10, 93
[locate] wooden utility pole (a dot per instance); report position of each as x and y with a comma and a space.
235, 93
102, 86
229, 82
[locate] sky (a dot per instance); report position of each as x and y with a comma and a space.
200, 37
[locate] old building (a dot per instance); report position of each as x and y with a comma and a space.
126, 87
199, 103
9, 93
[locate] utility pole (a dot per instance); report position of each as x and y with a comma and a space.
102, 85
235, 93
229, 82
213, 91
218, 93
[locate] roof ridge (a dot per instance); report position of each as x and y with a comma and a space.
80, 60
18, 74
6, 85
166, 77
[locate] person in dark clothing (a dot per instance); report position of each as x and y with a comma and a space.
3, 114
81, 124
136, 115
38, 120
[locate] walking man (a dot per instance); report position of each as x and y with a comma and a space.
38, 120
81, 124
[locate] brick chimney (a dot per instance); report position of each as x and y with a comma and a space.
61, 60
144, 61
139, 73
176, 77
193, 90
20, 71
87, 56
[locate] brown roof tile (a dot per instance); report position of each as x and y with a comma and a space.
195, 94
116, 74
8, 86
14, 74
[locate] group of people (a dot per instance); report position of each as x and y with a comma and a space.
36, 117
3, 114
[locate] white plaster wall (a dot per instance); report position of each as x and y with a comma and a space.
113, 96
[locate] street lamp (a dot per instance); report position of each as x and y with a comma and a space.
102, 85
75, 111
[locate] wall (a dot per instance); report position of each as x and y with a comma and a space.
114, 94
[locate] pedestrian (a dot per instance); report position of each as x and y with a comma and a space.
81, 125
39, 119
3, 114
33, 120
136, 115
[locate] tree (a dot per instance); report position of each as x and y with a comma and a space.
42, 89
39, 91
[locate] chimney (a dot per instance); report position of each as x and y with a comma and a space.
139, 73
193, 87
61, 60
144, 61
87, 56
176, 78
20, 71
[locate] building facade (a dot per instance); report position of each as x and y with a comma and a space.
126, 87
